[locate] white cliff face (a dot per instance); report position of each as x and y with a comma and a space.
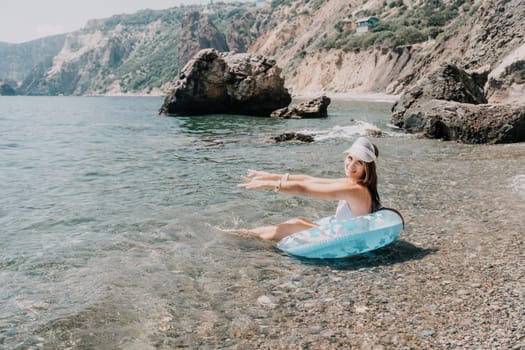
370, 70
478, 37
76, 46
506, 83
124, 54
138, 54
118, 56
295, 44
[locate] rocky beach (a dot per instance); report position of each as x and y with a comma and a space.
453, 281
113, 235
115, 213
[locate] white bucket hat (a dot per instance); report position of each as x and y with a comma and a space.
362, 149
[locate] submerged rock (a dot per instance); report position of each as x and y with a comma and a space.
315, 108
293, 136
229, 83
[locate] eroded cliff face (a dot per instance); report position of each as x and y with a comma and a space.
197, 33
244, 28
369, 70
110, 58
484, 35
17, 60
131, 54
490, 43
139, 53
295, 37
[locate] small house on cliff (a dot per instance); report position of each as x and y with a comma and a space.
365, 24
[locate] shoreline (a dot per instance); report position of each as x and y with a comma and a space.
365, 96
361, 96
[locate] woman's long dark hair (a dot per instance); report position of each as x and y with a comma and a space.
370, 181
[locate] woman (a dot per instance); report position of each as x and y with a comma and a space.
356, 193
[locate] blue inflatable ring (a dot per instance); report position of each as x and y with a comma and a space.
338, 239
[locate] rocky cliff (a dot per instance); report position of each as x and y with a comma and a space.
119, 55
314, 42
18, 60
130, 54
197, 33
316, 37
6, 89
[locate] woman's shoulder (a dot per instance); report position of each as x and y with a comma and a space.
355, 185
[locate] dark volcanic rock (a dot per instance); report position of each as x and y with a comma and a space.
446, 83
316, 108
466, 122
293, 136
229, 83
451, 83
449, 104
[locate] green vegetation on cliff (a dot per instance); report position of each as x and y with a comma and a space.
123, 54
139, 53
400, 25
17, 60
6, 89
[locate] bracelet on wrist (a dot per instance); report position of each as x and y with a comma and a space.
278, 186
284, 179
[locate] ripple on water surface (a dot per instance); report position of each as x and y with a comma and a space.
109, 217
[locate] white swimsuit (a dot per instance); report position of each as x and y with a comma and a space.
343, 211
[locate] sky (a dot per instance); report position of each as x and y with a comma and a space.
25, 20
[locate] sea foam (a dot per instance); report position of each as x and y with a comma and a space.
360, 128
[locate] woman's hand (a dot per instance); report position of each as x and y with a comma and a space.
253, 184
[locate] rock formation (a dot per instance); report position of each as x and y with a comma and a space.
466, 122
197, 33
449, 104
244, 28
316, 108
214, 82
446, 83
293, 137
6, 89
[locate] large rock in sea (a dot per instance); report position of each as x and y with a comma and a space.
231, 83
448, 83
468, 123
449, 104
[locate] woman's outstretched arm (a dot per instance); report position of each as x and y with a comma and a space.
356, 195
263, 175
328, 191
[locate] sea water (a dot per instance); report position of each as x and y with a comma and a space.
111, 216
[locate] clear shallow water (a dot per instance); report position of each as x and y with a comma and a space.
110, 214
